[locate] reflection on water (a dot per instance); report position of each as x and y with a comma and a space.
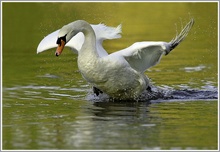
52, 117
76, 124
46, 104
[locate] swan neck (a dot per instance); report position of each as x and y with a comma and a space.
89, 45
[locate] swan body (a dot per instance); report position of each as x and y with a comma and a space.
120, 74
102, 33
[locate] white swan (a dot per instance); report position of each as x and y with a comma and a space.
120, 74
102, 32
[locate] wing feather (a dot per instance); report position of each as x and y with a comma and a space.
48, 42
102, 32
143, 55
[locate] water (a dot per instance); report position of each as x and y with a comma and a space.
46, 104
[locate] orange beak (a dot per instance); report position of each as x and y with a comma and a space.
60, 48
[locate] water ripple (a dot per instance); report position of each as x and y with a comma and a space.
165, 93
196, 68
33, 92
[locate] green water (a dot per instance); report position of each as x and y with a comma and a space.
46, 104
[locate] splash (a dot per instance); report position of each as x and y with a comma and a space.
162, 94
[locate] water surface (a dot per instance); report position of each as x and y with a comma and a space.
46, 104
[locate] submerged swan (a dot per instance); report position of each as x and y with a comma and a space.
120, 74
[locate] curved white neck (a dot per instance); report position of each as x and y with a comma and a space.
89, 45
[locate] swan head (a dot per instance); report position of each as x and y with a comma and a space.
64, 36
61, 41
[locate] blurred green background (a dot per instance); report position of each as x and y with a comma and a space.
25, 25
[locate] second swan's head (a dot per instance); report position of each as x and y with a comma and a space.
66, 33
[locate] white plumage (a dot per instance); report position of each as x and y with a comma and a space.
120, 74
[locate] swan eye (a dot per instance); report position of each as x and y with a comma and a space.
61, 38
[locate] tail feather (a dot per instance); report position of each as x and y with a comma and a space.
181, 36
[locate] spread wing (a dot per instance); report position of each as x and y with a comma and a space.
143, 55
102, 32
48, 42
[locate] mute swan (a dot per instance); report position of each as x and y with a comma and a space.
102, 32
120, 74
